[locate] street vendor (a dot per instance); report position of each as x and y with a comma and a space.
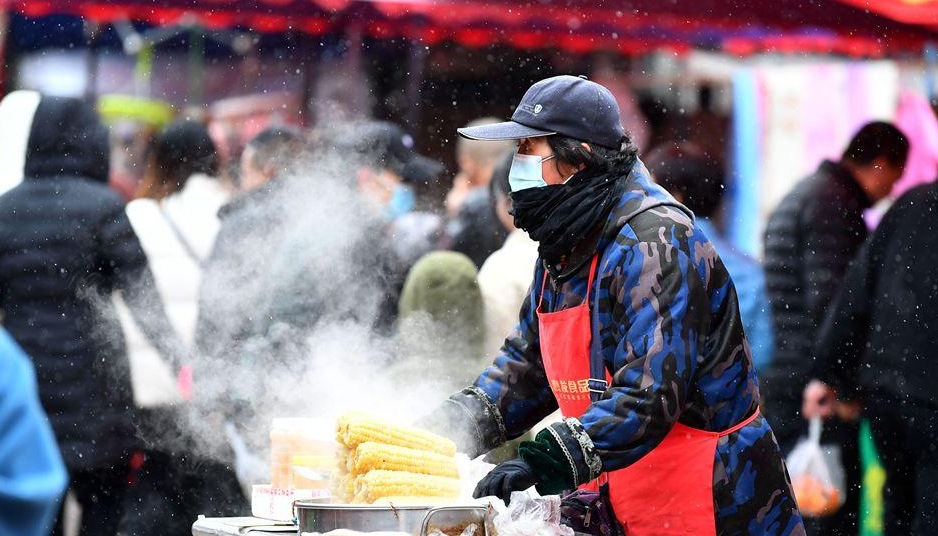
632, 328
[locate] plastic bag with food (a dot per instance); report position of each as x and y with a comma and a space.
531, 516
817, 474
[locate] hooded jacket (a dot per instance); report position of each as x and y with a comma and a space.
65, 246
669, 331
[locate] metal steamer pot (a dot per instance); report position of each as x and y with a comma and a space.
414, 520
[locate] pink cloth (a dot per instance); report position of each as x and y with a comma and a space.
184, 380
917, 120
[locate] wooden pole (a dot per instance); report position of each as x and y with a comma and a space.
416, 63
4, 38
195, 93
92, 29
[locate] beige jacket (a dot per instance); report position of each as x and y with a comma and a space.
505, 279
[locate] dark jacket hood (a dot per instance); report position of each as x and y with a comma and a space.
66, 139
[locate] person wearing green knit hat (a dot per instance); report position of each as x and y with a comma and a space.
441, 317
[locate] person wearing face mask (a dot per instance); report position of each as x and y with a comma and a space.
632, 328
390, 160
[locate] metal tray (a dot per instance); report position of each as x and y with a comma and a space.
414, 520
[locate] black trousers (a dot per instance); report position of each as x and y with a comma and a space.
906, 436
785, 417
100, 492
171, 491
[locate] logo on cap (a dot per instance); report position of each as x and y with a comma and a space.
538, 108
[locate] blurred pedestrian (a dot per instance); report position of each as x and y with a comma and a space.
877, 347
252, 225
384, 151
441, 298
176, 220
361, 251
421, 230
175, 217
32, 475
506, 275
65, 245
696, 180
476, 162
474, 228
233, 300
810, 239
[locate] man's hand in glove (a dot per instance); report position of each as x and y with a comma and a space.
541, 463
513, 475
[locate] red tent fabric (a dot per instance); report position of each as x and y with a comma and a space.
920, 12
624, 26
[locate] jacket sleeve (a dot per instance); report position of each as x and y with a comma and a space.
123, 262
843, 334
33, 478
509, 397
660, 313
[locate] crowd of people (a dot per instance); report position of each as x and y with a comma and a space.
124, 308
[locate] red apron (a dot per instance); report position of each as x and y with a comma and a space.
670, 489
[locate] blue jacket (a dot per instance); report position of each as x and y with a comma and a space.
754, 307
32, 474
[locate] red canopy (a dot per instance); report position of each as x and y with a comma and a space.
626, 26
921, 12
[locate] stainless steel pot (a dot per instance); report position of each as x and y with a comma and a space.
414, 520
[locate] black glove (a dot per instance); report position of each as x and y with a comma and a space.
513, 475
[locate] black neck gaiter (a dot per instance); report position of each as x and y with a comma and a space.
559, 216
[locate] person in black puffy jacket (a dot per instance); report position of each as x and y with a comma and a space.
811, 238
65, 246
877, 347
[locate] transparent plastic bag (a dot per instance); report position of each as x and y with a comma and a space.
527, 515
817, 474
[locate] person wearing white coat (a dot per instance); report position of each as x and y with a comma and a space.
177, 233
176, 218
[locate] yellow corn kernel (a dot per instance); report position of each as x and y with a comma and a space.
341, 424
370, 455
355, 429
379, 483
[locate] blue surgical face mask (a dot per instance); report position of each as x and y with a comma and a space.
526, 172
402, 201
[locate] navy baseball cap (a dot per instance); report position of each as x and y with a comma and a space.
571, 106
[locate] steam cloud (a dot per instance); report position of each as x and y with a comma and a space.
341, 363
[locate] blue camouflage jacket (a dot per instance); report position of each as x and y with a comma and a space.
670, 333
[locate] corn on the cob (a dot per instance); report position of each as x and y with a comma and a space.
355, 429
379, 483
370, 455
